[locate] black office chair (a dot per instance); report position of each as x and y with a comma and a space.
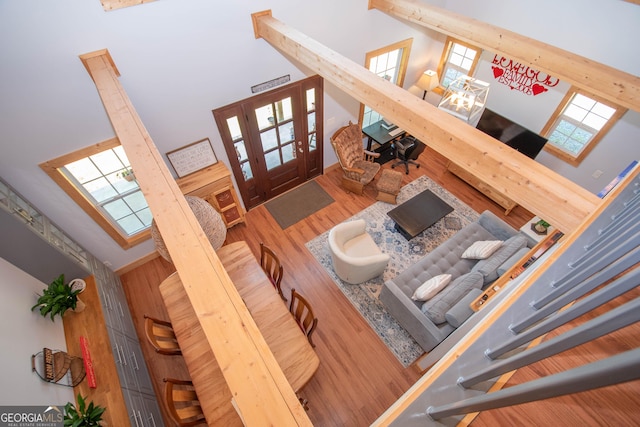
406, 152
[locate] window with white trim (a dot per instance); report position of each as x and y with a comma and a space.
389, 63
458, 59
100, 179
580, 121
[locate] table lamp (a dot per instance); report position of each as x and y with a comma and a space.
428, 80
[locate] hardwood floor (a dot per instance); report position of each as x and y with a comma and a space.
359, 377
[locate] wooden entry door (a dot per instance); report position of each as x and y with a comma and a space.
274, 140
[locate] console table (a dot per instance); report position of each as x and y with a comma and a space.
214, 185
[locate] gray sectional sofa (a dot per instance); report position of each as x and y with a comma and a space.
432, 321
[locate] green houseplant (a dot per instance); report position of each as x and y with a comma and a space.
82, 415
57, 298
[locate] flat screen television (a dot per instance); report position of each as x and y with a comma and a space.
510, 133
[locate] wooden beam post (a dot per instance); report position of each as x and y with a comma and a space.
257, 383
540, 190
607, 82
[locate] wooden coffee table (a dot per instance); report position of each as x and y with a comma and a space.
418, 213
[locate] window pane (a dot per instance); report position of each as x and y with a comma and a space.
594, 121
264, 116
603, 110
456, 60
288, 152
107, 162
272, 159
234, 128
284, 110
269, 140
131, 224
583, 101
575, 112
118, 209
100, 189
286, 132
311, 99
136, 201
145, 216
83, 170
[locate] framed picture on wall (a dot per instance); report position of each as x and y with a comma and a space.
192, 158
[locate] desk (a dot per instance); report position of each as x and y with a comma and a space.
282, 334
375, 132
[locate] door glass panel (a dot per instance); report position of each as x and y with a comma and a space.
272, 159
288, 152
234, 128
284, 110
287, 133
246, 171
241, 151
264, 116
269, 140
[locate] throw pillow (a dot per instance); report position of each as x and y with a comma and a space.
489, 267
431, 287
482, 249
436, 308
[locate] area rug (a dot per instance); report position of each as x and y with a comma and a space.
297, 204
364, 297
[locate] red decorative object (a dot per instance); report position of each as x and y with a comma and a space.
88, 364
521, 77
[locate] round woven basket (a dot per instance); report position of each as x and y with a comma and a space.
210, 220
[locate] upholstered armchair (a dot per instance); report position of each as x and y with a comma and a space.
357, 163
356, 257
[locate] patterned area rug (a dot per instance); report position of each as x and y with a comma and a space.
364, 297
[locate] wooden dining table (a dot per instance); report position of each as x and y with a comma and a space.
284, 337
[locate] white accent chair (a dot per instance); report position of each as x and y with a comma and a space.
356, 257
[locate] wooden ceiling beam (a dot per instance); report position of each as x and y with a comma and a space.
257, 382
607, 82
540, 190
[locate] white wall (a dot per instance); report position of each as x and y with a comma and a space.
179, 59
24, 333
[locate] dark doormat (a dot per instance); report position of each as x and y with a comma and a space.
297, 204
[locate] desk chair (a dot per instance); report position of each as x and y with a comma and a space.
270, 263
303, 313
405, 149
161, 336
182, 403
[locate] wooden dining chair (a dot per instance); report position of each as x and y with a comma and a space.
271, 265
182, 402
303, 313
161, 336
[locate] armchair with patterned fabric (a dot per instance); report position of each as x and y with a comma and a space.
357, 164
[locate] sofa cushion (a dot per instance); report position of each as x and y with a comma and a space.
489, 267
436, 308
482, 249
431, 287
460, 312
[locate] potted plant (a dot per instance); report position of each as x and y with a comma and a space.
57, 298
127, 174
82, 415
540, 227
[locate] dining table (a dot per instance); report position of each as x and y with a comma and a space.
284, 337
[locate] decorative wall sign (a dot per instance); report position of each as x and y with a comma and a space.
270, 84
192, 158
521, 77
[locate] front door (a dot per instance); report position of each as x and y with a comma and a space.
273, 140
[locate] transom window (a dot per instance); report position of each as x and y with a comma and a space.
389, 63
578, 124
458, 59
100, 179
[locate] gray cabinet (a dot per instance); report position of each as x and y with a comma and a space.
37, 246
